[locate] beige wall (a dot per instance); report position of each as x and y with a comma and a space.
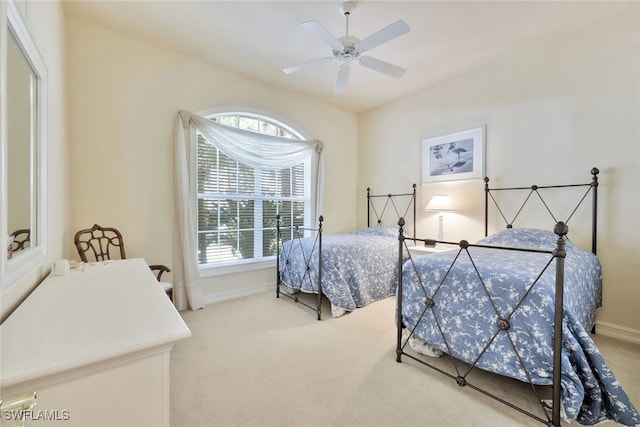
45, 21
124, 96
552, 110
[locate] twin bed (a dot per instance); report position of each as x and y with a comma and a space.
495, 305
351, 270
498, 305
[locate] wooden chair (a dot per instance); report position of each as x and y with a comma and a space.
106, 243
20, 239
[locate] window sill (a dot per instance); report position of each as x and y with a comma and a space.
209, 271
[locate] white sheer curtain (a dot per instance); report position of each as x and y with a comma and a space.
250, 148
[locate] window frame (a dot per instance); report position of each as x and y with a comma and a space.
251, 264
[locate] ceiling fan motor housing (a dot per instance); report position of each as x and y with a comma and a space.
349, 49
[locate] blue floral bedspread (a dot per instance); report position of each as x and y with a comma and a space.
357, 268
468, 315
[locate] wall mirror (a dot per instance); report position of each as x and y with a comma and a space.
23, 149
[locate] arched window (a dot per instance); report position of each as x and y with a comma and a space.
238, 204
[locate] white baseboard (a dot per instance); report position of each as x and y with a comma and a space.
618, 332
237, 293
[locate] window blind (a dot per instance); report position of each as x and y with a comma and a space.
238, 204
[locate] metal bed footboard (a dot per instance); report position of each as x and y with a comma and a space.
298, 233
461, 376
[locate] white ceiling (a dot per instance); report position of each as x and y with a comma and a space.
260, 38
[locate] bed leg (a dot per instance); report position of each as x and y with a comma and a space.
399, 290
319, 306
278, 256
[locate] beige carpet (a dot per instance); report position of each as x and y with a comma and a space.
262, 361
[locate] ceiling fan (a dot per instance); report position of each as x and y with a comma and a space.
348, 48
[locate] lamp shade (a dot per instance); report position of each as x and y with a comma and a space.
440, 203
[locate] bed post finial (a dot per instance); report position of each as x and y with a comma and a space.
368, 207
401, 223
561, 229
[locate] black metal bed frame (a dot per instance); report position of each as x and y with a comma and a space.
558, 254
300, 233
390, 199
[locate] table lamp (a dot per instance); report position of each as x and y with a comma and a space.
440, 204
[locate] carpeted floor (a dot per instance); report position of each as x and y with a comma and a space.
262, 361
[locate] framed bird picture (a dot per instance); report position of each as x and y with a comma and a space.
453, 157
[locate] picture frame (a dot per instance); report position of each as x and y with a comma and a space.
454, 157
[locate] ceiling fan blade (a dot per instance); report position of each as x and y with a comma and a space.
323, 34
382, 66
341, 79
305, 65
389, 32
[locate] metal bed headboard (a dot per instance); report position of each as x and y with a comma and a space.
390, 201
592, 187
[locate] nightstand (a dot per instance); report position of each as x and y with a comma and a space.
420, 249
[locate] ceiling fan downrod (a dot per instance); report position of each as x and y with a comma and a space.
346, 9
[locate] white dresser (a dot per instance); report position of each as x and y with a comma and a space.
94, 345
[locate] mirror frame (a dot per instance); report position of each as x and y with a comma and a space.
21, 264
